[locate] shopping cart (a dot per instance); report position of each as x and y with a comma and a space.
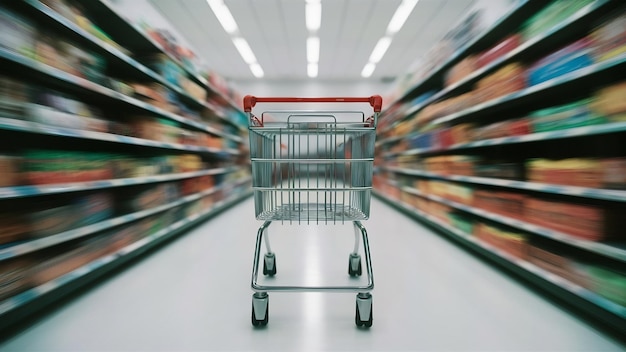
312, 167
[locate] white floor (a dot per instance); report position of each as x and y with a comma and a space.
194, 295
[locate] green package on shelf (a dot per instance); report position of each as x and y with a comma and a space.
609, 284
553, 14
462, 222
576, 114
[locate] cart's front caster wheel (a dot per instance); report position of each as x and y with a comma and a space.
269, 264
260, 309
364, 315
354, 266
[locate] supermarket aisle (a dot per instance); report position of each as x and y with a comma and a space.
195, 295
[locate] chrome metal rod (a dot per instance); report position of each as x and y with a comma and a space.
268, 249
368, 258
357, 231
257, 251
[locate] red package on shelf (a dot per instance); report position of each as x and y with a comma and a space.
499, 50
588, 222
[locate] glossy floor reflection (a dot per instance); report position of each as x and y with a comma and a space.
194, 295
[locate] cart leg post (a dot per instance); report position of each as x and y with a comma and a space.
269, 259
354, 265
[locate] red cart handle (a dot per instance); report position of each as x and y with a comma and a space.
249, 101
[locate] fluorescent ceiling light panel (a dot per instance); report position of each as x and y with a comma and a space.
311, 70
244, 50
400, 16
313, 13
380, 49
313, 49
368, 70
223, 15
257, 71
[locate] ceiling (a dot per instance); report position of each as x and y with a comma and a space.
276, 32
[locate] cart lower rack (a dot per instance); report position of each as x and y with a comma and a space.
312, 167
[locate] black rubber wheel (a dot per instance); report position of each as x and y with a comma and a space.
366, 323
263, 322
357, 272
269, 272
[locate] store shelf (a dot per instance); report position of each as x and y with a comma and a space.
136, 40
127, 252
135, 65
29, 191
541, 40
37, 244
120, 56
584, 192
595, 247
520, 10
572, 77
66, 78
617, 127
529, 267
34, 127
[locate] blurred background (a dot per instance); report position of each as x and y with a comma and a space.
503, 128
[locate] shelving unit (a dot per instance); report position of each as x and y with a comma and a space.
409, 144
218, 178
545, 275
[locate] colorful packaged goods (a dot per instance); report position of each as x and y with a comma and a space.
462, 222
576, 114
13, 95
13, 226
553, 14
9, 171
166, 68
609, 40
504, 81
14, 276
93, 208
53, 108
579, 172
48, 167
193, 89
70, 58
502, 170
16, 33
464, 68
568, 59
424, 141
508, 128
513, 243
147, 197
614, 173
503, 203
609, 283
499, 50
610, 102
588, 222
556, 259
51, 218
55, 263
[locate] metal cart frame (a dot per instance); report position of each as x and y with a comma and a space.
289, 158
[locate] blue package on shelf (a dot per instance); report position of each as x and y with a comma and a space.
422, 141
571, 58
423, 97
549, 72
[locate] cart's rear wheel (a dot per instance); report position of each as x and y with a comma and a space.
363, 309
262, 303
354, 265
269, 264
